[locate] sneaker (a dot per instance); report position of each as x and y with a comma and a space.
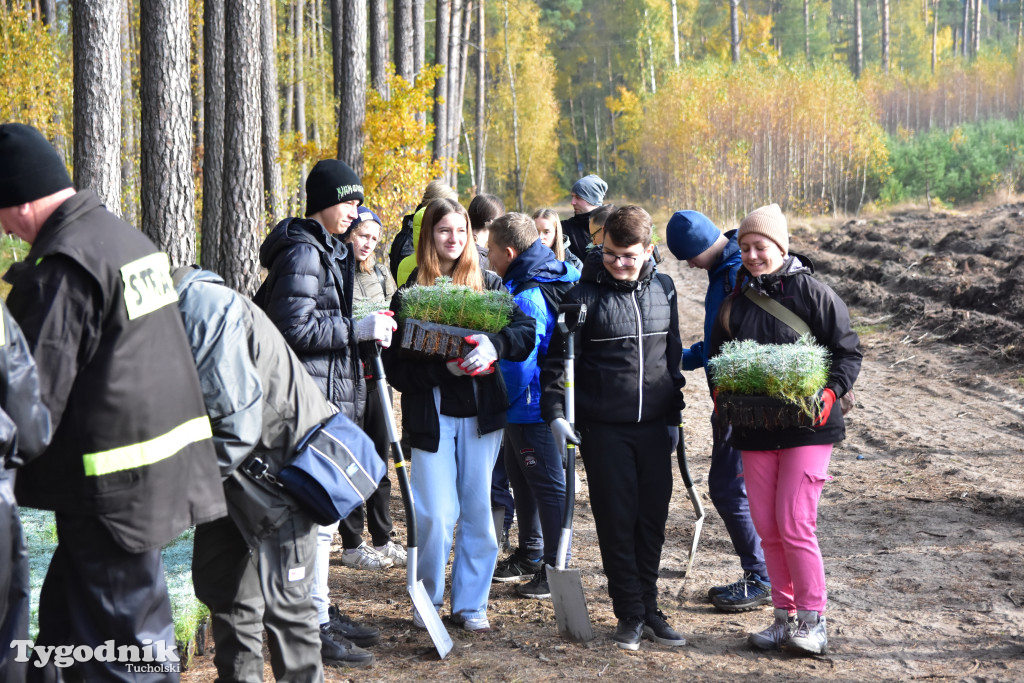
505, 544
395, 552
781, 630
748, 593
657, 629
361, 635
537, 587
718, 590
365, 557
338, 651
810, 637
515, 568
472, 624
627, 633
417, 620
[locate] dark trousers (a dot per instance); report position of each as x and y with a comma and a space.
96, 591
534, 468
266, 588
378, 505
14, 584
501, 496
629, 472
729, 494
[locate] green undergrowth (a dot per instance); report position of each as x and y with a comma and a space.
793, 372
450, 304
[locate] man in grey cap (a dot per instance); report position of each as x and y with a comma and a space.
587, 195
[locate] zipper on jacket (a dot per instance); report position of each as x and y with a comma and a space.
640, 353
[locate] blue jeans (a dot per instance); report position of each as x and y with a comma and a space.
453, 485
534, 467
729, 494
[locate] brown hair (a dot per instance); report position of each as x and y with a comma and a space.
600, 215
467, 267
552, 215
516, 230
484, 208
629, 225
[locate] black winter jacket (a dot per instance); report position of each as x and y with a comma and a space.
794, 286
577, 229
417, 377
628, 350
313, 310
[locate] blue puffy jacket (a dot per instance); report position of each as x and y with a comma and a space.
721, 282
537, 264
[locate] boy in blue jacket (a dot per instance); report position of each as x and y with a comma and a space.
693, 238
537, 279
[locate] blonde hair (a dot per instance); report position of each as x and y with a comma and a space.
366, 265
467, 267
438, 189
552, 215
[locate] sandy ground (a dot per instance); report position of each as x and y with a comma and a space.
922, 526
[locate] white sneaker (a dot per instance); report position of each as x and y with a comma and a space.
781, 630
810, 637
474, 624
395, 552
365, 557
417, 620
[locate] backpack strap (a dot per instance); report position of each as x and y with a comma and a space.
777, 311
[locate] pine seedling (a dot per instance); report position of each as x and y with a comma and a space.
446, 303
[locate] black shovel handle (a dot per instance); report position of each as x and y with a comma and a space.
684, 469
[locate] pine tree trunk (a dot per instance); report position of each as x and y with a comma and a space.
96, 42
270, 136
196, 78
379, 47
352, 103
242, 168
481, 109
48, 12
300, 85
515, 117
734, 29
442, 24
454, 114
935, 33
885, 35
977, 27
168, 193
967, 31
460, 126
419, 35
213, 122
404, 40
129, 134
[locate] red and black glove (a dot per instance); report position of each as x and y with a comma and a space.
827, 398
714, 399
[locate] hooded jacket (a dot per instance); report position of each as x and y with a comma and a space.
793, 286
628, 350
721, 283
408, 263
416, 377
538, 265
308, 295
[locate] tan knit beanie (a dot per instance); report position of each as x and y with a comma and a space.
767, 221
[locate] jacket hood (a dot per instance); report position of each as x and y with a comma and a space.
292, 231
539, 263
594, 271
186, 275
794, 264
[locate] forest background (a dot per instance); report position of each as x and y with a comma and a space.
197, 120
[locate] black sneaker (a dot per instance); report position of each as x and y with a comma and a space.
361, 635
537, 587
748, 593
658, 630
627, 633
718, 590
338, 651
515, 568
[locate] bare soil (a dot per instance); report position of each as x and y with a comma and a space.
922, 527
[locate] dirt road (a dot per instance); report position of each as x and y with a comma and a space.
922, 528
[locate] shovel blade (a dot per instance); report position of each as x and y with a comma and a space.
570, 604
425, 608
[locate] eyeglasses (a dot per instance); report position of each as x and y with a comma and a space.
627, 261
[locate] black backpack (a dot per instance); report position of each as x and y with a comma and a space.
401, 246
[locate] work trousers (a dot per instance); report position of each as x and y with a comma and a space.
784, 487
269, 588
729, 495
96, 591
534, 467
629, 472
378, 506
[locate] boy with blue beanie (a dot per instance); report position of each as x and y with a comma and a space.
692, 237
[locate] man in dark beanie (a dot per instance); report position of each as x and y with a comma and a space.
131, 464
587, 195
308, 295
692, 237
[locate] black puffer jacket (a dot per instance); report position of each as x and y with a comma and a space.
577, 229
313, 310
794, 286
628, 351
416, 377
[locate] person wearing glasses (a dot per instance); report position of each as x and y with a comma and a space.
628, 389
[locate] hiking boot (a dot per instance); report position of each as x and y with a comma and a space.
781, 630
338, 651
472, 624
810, 637
537, 587
395, 552
657, 629
515, 568
361, 635
748, 593
365, 557
627, 633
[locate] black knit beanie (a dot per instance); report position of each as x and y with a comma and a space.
30, 167
331, 182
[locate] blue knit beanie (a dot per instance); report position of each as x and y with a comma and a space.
590, 189
689, 234
366, 214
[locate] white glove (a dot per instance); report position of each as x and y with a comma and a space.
563, 431
376, 327
455, 368
481, 360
